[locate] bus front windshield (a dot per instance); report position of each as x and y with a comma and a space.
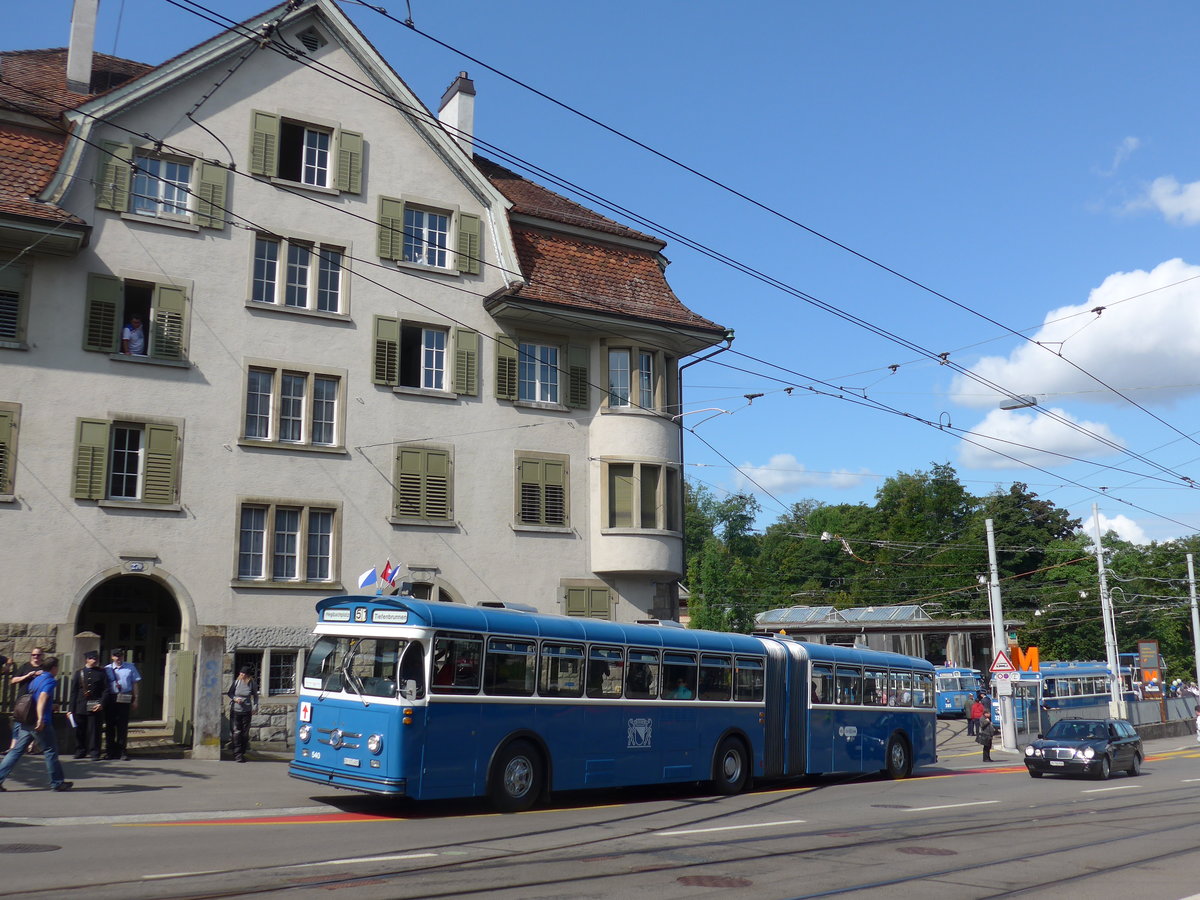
366, 666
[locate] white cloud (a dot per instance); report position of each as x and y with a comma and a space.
783, 473
1179, 203
1033, 439
1124, 150
1125, 527
1145, 342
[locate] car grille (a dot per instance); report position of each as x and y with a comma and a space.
1060, 753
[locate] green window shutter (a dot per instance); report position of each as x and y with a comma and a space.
577, 601
599, 603
422, 484
468, 243
542, 492
620, 495
162, 455
8, 460
577, 377
437, 485
409, 471
113, 172
386, 363
170, 322
91, 459
506, 368
349, 162
210, 209
264, 143
555, 476
466, 362
391, 228
529, 492
102, 324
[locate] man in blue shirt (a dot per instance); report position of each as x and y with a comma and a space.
42, 690
120, 698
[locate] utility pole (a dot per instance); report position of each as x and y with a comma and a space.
1116, 706
1195, 616
1004, 688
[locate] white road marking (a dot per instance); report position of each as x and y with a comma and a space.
951, 806
1120, 787
362, 859
184, 874
729, 828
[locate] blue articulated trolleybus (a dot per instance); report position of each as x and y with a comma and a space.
435, 700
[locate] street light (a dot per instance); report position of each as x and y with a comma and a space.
1019, 401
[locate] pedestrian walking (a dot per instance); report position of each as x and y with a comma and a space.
87, 706
987, 731
22, 678
41, 689
120, 699
243, 704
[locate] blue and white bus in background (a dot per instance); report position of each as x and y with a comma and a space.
436, 700
957, 688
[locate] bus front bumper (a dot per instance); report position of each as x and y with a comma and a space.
353, 781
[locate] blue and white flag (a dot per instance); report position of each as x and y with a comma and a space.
367, 577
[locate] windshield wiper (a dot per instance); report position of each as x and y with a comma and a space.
354, 680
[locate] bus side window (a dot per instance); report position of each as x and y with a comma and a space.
679, 676
509, 668
748, 681
923, 690
606, 668
456, 664
849, 685
412, 672
822, 684
561, 670
875, 687
641, 675
716, 678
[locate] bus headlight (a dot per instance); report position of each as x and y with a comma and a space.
304, 733
375, 743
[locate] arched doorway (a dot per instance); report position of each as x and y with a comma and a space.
139, 614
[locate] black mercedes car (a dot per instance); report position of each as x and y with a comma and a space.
1095, 747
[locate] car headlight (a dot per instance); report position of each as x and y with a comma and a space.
304, 733
1088, 752
375, 743
1029, 751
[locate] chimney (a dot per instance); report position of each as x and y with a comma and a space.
457, 112
83, 40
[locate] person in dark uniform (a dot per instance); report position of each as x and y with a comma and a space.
87, 705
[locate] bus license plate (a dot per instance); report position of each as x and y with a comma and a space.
350, 761
1057, 762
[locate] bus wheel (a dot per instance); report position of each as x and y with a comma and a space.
731, 770
899, 760
516, 777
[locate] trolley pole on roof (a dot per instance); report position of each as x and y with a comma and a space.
1003, 687
1195, 616
1116, 707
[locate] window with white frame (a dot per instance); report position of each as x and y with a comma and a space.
162, 186
308, 153
128, 460
426, 237
282, 542
425, 357
151, 185
299, 275
641, 495
416, 232
301, 408
635, 378
136, 318
537, 373
274, 670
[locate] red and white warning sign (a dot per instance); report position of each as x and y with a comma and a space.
1002, 663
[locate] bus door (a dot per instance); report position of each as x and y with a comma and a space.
849, 733
682, 757
822, 719
453, 762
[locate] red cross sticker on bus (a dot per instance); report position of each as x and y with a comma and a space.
1002, 663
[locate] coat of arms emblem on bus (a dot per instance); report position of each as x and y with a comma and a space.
640, 732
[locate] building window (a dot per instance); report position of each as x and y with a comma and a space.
543, 495
13, 306
131, 461
10, 424
642, 495
321, 156
281, 543
294, 407
537, 376
145, 183
427, 236
161, 186
423, 484
297, 275
425, 357
279, 666
635, 379
136, 318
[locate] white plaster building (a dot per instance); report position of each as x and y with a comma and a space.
361, 343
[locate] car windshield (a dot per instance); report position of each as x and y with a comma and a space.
1077, 731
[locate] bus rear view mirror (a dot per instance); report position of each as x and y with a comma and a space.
409, 690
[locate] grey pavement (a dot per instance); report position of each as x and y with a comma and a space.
173, 788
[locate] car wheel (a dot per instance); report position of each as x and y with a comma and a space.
731, 768
899, 760
1104, 769
516, 777
1135, 767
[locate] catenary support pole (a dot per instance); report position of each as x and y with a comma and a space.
1116, 705
1003, 686
1195, 616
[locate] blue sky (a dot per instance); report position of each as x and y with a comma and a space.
1031, 162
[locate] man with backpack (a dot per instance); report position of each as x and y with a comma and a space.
38, 726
